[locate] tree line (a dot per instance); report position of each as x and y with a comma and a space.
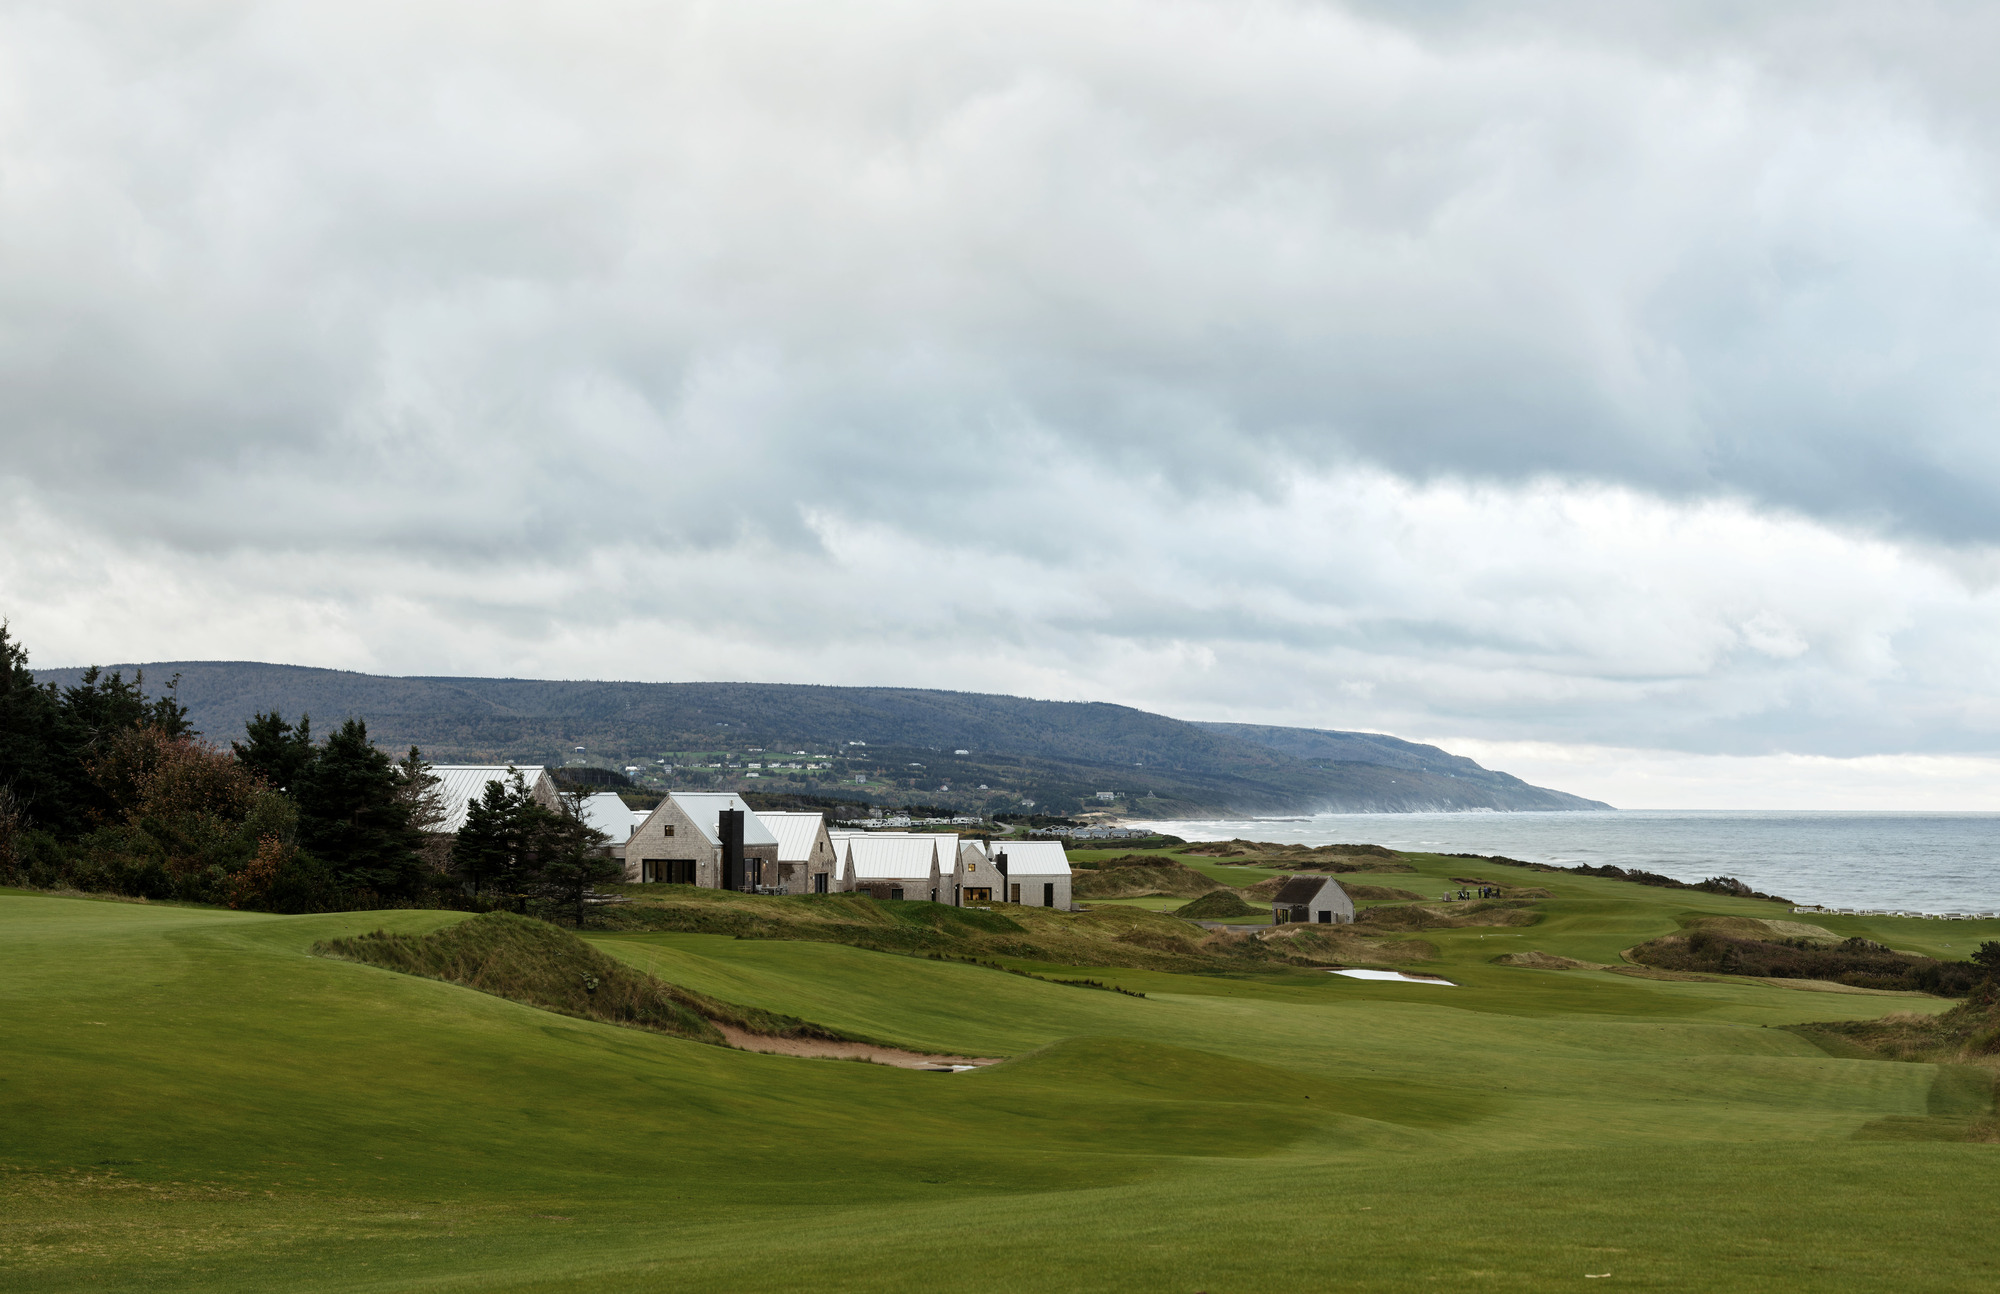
105, 790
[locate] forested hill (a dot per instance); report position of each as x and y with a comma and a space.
1058, 754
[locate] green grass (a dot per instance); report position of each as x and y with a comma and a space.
192, 1101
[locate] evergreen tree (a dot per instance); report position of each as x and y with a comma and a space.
492, 846
420, 789
29, 779
352, 816
93, 718
567, 857
276, 751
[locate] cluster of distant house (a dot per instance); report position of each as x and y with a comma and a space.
716, 841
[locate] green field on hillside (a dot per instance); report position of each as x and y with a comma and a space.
191, 1100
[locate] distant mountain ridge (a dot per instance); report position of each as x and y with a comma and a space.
1058, 754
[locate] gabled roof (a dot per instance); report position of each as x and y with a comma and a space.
460, 784
795, 832
608, 814
1300, 889
888, 858
1033, 857
704, 809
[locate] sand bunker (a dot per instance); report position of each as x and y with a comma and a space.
1397, 976
746, 1041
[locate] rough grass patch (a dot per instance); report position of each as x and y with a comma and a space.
1216, 905
540, 965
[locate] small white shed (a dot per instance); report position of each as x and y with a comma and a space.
1317, 899
1036, 871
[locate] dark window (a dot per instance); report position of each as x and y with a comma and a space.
895, 891
667, 871
819, 883
1048, 894
1326, 918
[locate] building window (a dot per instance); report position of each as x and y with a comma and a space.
667, 871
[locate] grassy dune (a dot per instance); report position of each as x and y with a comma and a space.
191, 1100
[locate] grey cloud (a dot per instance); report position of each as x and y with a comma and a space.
1222, 248
1187, 353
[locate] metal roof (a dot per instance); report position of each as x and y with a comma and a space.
460, 784
608, 814
1032, 857
795, 832
888, 858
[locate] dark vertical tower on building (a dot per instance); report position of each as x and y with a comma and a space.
729, 825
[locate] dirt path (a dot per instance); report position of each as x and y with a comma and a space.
846, 1051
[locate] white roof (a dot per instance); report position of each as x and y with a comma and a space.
608, 814
705, 808
461, 784
1034, 857
891, 858
795, 832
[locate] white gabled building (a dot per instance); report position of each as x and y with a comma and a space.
1036, 871
608, 812
891, 867
1318, 899
806, 858
459, 785
975, 881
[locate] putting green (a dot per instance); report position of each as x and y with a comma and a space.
191, 1101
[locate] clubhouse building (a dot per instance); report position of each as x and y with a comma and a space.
716, 841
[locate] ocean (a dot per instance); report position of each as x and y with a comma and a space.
1923, 862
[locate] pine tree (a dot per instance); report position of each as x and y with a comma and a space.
28, 771
276, 751
492, 847
567, 860
352, 817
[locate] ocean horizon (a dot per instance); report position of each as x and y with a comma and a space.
1918, 861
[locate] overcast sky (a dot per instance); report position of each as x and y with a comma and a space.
1607, 392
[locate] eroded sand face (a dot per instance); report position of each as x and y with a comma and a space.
850, 1051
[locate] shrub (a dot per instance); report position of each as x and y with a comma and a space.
1858, 962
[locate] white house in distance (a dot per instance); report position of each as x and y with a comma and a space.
680, 842
806, 858
1036, 872
976, 881
891, 866
460, 784
1318, 899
